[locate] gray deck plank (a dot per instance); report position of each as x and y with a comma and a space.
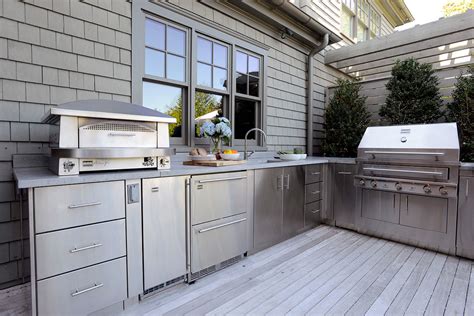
469, 309
440, 296
422, 296
458, 295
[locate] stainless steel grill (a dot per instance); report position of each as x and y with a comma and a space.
407, 184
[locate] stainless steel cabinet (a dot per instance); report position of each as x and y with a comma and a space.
381, 205
344, 195
279, 204
465, 241
164, 230
424, 212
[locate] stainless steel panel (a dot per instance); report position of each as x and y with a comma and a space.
293, 200
218, 196
164, 229
312, 214
380, 205
116, 153
410, 172
313, 192
465, 241
428, 213
344, 195
268, 215
62, 251
313, 174
217, 241
80, 204
83, 291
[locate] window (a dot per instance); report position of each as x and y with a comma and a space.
359, 20
165, 74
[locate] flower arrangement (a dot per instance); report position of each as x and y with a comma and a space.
218, 130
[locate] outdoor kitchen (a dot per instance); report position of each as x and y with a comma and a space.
235, 157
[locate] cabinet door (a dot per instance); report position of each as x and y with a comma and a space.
465, 241
344, 197
424, 212
164, 223
293, 200
381, 205
268, 207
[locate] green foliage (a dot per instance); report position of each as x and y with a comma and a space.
461, 110
413, 95
346, 119
454, 7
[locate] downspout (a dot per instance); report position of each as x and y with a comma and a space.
309, 120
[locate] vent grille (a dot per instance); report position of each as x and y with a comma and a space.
163, 285
119, 127
215, 268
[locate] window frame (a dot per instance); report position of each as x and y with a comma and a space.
356, 18
196, 27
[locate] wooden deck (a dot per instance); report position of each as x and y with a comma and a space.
328, 271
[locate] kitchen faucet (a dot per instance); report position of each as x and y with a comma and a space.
256, 129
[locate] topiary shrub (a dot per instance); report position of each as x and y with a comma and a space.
413, 95
346, 119
461, 110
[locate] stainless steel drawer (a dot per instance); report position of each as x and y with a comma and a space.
313, 192
313, 174
76, 205
83, 291
75, 248
218, 196
217, 241
312, 214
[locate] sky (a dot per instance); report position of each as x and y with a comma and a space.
424, 11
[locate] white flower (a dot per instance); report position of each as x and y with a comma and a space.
207, 129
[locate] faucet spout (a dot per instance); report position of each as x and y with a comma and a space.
256, 129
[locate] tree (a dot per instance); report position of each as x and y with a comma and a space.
346, 119
413, 94
454, 7
461, 110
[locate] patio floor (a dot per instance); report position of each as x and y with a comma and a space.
328, 271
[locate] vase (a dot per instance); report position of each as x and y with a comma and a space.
216, 145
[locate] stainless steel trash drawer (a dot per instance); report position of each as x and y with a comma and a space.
75, 248
313, 174
217, 241
83, 291
218, 196
424, 212
312, 214
313, 192
67, 206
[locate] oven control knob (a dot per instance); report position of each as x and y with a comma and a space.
398, 186
362, 182
443, 190
373, 183
427, 188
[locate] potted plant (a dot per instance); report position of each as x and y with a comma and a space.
218, 130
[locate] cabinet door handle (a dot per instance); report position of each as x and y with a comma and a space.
222, 225
94, 287
287, 186
155, 189
345, 172
467, 188
315, 173
315, 192
222, 179
94, 245
279, 183
314, 211
73, 206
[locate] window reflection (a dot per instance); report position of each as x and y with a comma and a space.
204, 75
166, 99
154, 34
245, 118
220, 55
204, 50
154, 62
219, 78
176, 41
241, 62
254, 66
175, 67
253, 86
206, 107
241, 83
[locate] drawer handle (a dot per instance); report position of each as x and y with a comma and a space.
222, 225
345, 172
315, 173
314, 211
73, 206
155, 189
315, 192
94, 287
94, 245
222, 179
122, 134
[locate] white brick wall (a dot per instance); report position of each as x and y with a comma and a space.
52, 51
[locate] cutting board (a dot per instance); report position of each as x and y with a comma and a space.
214, 163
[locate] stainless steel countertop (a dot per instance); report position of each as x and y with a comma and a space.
41, 177
467, 165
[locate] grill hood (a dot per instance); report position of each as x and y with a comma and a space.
429, 142
107, 109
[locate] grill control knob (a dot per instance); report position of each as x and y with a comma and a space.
427, 188
398, 186
443, 190
362, 182
373, 183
